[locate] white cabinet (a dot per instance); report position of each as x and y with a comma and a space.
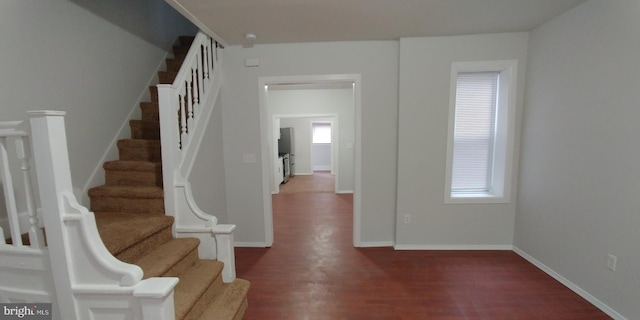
279, 171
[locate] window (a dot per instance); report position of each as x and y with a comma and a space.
321, 133
480, 139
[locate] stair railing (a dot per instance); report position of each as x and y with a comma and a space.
74, 271
185, 109
25, 272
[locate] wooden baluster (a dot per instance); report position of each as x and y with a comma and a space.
36, 236
203, 57
9, 194
194, 91
199, 73
187, 105
215, 46
180, 122
208, 65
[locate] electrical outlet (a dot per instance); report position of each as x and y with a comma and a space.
611, 262
407, 218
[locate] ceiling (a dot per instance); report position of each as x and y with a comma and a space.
284, 21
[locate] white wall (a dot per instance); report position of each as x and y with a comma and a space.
376, 62
580, 177
425, 68
300, 102
93, 64
207, 176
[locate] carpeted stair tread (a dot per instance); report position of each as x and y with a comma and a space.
231, 304
127, 192
133, 173
167, 77
138, 143
170, 258
120, 231
189, 295
186, 40
150, 110
173, 65
131, 165
142, 129
180, 50
140, 150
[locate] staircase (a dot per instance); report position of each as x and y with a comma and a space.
131, 220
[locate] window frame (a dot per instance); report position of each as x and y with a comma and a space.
503, 149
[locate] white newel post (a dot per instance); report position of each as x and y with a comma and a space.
156, 298
225, 250
52, 166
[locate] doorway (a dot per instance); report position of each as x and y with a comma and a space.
351, 144
321, 146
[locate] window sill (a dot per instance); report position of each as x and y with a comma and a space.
475, 198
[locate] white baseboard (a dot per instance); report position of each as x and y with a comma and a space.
375, 244
250, 244
575, 288
451, 247
344, 191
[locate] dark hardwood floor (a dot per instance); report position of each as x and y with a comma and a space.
313, 272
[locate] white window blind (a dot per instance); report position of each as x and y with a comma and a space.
474, 131
321, 133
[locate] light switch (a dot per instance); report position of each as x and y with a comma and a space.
251, 62
249, 158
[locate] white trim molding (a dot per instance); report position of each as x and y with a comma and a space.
453, 247
567, 283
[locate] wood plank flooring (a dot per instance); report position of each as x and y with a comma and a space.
319, 181
313, 272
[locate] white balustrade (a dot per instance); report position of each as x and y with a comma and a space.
185, 110
16, 133
74, 271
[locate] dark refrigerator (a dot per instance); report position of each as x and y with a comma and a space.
286, 150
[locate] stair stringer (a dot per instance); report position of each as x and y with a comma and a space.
196, 87
90, 283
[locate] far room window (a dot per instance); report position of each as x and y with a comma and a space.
480, 141
321, 133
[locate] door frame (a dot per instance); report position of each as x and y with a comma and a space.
266, 130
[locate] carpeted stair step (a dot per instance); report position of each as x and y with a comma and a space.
167, 77
140, 150
141, 129
170, 259
150, 110
133, 173
231, 304
180, 51
186, 40
139, 199
130, 236
197, 287
174, 64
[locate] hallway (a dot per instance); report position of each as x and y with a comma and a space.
313, 272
